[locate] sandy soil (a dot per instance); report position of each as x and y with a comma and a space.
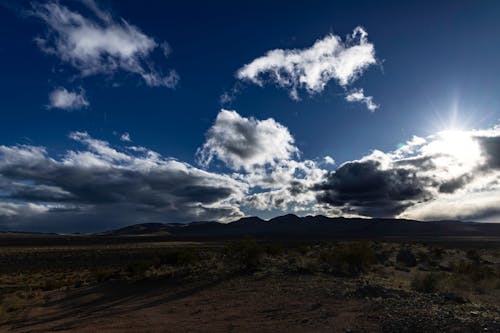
238, 304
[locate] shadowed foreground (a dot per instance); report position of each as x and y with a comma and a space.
251, 286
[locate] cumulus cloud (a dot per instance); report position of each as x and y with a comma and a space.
312, 68
365, 188
100, 44
101, 187
246, 143
358, 95
285, 187
263, 155
450, 175
61, 98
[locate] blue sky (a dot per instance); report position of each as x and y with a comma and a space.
433, 68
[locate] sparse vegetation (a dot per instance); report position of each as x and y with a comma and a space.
426, 283
372, 268
247, 252
348, 259
406, 257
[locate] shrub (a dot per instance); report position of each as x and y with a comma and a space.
426, 283
438, 252
139, 268
423, 256
11, 303
349, 259
274, 249
102, 274
473, 270
178, 258
406, 258
248, 252
473, 255
383, 257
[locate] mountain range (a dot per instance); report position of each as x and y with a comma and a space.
319, 227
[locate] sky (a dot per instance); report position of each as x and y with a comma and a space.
115, 113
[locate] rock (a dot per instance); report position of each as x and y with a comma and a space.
406, 257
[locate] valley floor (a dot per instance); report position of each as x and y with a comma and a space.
287, 290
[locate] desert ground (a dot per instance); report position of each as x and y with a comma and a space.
249, 285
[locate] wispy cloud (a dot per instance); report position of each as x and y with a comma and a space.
312, 68
61, 98
358, 95
125, 137
99, 45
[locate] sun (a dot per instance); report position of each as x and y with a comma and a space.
459, 145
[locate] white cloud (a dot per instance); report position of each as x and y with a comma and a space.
100, 147
12, 210
263, 154
287, 186
125, 137
246, 143
101, 45
103, 15
480, 206
312, 68
449, 175
61, 98
328, 160
358, 95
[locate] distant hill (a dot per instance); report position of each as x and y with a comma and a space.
319, 227
142, 229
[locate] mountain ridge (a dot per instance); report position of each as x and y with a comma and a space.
318, 226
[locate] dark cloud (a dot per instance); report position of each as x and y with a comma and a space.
454, 184
491, 148
296, 187
445, 176
364, 188
450, 175
109, 185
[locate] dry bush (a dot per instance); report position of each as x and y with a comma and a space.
247, 253
12, 302
103, 274
349, 259
426, 283
474, 270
